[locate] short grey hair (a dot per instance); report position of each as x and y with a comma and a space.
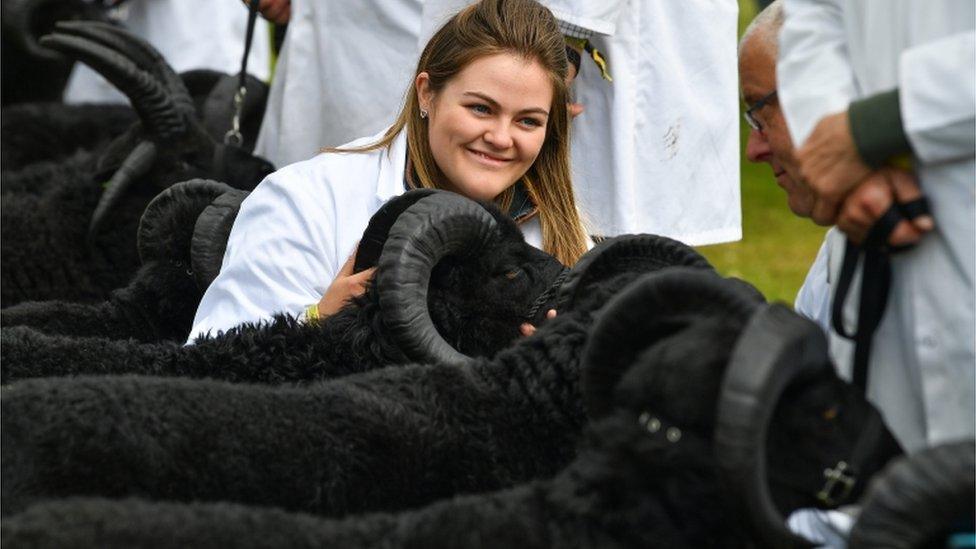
765, 26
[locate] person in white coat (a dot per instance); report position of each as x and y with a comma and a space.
656, 149
863, 83
481, 119
189, 34
341, 73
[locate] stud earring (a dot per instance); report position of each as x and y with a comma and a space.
423, 113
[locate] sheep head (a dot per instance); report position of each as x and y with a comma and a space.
697, 361
170, 143
454, 280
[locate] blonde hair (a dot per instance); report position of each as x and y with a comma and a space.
528, 30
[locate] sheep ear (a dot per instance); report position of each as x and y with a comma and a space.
167, 225
436, 226
626, 253
776, 347
652, 306
919, 498
378, 229
218, 109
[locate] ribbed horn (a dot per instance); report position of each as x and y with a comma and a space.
210, 234
155, 105
641, 253
167, 224
24, 20
918, 499
776, 347
140, 52
136, 165
436, 226
648, 308
378, 230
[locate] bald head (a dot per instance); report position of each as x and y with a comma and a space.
764, 29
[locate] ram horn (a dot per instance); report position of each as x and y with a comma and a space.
24, 20
918, 499
152, 101
637, 253
210, 235
167, 224
136, 165
378, 230
657, 303
436, 226
140, 52
777, 347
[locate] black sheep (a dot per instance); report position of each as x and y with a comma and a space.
63, 240
481, 288
387, 439
648, 473
159, 303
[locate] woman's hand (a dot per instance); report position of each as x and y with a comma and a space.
528, 329
345, 287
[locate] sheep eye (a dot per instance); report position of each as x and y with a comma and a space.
513, 274
830, 414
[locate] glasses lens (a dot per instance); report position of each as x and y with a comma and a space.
753, 123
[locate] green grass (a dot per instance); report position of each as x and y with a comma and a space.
777, 247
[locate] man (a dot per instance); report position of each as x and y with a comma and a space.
863, 83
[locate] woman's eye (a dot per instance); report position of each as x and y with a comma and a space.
480, 109
531, 122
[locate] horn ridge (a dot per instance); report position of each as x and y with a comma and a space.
142, 54
155, 107
432, 228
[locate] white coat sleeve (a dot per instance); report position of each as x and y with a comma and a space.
280, 256
937, 94
600, 17
814, 71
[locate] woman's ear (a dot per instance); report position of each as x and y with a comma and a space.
424, 94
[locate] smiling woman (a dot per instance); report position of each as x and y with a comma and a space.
486, 117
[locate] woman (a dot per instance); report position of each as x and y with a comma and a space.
486, 117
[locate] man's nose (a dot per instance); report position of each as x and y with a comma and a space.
757, 147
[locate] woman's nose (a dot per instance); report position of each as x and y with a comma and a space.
499, 135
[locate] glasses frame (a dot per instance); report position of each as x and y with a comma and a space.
762, 102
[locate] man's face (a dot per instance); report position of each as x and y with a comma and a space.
772, 145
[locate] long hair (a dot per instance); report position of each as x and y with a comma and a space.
528, 30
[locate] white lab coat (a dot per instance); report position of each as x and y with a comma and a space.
342, 73
190, 34
921, 374
296, 230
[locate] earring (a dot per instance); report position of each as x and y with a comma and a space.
423, 113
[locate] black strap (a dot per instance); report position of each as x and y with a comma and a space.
252, 17
875, 282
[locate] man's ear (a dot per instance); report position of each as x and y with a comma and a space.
425, 96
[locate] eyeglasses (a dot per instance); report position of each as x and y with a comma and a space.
750, 118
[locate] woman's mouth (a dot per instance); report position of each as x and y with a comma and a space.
488, 159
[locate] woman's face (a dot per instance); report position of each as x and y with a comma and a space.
488, 123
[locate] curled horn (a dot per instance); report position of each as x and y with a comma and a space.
25, 20
435, 226
918, 498
637, 253
776, 347
136, 165
374, 237
138, 51
167, 225
151, 100
645, 310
